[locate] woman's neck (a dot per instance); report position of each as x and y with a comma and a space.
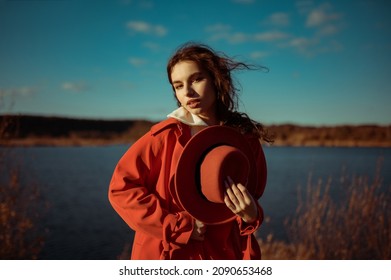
210, 120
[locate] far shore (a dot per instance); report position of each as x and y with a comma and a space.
31, 131
87, 142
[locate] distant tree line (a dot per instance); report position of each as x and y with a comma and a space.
22, 128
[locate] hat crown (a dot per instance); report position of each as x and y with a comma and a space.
219, 163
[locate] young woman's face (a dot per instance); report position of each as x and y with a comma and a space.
194, 89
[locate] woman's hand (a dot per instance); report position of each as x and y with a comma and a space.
240, 201
198, 232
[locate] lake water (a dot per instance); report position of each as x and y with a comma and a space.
81, 223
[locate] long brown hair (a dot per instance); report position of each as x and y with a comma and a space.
220, 66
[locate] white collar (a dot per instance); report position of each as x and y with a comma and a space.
184, 116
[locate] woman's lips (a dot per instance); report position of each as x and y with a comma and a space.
194, 103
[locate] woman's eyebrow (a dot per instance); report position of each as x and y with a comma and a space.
189, 78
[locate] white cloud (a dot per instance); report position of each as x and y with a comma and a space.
219, 31
321, 23
223, 32
316, 18
321, 16
23, 91
75, 86
232, 38
270, 36
258, 54
146, 28
328, 30
152, 46
238, 37
136, 61
301, 43
219, 27
324, 22
278, 19
312, 46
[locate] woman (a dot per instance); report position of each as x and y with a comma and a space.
140, 187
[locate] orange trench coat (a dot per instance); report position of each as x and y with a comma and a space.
139, 193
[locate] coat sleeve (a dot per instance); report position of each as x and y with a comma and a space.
249, 228
133, 192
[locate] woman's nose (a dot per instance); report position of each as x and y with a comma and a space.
189, 91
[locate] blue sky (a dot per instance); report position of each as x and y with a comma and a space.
329, 61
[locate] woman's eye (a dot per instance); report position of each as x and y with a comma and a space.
196, 80
178, 87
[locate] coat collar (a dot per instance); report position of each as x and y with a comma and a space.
184, 116
159, 127
181, 130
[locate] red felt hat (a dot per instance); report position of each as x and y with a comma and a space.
209, 157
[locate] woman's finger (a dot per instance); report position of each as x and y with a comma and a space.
231, 194
247, 197
229, 203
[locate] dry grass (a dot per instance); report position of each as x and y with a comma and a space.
20, 211
332, 136
19, 217
354, 225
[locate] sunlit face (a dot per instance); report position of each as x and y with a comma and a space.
194, 90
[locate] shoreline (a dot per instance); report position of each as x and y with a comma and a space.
80, 142
31, 131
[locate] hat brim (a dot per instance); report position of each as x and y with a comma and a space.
187, 192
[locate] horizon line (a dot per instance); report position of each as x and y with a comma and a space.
154, 120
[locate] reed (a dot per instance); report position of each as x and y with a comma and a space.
337, 220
